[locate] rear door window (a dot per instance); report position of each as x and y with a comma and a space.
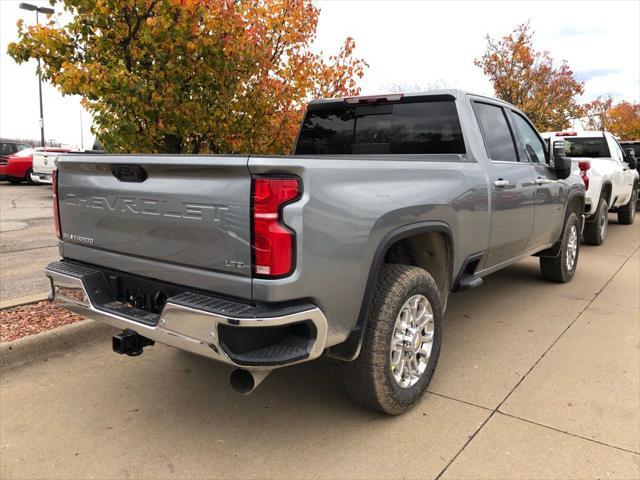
496, 132
413, 127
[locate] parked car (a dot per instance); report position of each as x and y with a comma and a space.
610, 175
348, 248
44, 163
18, 167
9, 148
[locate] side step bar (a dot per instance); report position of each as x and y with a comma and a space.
467, 279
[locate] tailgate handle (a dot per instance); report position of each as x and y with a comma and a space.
129, 173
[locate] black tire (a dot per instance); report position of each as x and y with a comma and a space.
369, 379
627, 213
27, 177
556, 269
14, 181
595, 229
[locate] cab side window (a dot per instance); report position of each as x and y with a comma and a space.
617, 150
531, 143
496, 132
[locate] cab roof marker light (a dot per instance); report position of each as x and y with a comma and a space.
394, 97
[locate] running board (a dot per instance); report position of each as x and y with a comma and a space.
467, 278
467, 281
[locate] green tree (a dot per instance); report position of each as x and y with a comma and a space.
530, 80
190, 76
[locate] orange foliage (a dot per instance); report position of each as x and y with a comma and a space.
191, 76
621, 119
530, 80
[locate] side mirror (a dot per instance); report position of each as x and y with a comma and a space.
561, 163
631, 159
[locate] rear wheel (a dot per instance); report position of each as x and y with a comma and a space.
402, 341
562, 267
627, 213
27, 177
595, 230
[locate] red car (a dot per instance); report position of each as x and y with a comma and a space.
15, 166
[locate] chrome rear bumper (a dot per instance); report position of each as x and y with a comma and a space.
187, 327
40, 177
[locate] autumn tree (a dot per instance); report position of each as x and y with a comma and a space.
621, 119
530, 80
190, 76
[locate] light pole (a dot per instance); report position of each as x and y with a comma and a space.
49, 11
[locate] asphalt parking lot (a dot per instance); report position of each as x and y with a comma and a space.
536, 380
27, 239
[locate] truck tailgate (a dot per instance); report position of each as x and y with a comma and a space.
169, 211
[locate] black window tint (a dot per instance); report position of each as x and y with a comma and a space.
425, 127
327, 132
496, 132
429, 127
593, 147
529, 139
6, 149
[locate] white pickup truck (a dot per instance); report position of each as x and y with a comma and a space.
44, 164
610, 176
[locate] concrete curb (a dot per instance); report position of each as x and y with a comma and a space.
52, 343
27, 299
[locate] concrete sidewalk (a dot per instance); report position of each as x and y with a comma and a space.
536, 380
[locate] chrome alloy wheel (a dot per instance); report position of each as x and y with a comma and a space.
604, 222
412, 341
572, 247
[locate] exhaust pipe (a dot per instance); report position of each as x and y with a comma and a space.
245, 381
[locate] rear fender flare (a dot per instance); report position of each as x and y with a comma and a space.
350, 348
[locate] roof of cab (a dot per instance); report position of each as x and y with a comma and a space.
454, 92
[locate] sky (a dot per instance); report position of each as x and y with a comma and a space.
413, 44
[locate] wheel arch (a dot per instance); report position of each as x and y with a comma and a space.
350, 348
575, 204
605, 192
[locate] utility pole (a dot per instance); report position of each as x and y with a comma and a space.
48, 11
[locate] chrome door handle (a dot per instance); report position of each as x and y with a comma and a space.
501, 183
542, 181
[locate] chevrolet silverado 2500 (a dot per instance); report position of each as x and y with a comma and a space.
348, 248
610, 178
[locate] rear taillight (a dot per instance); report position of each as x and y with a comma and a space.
56, 212
566, 134
584, 165
273, 242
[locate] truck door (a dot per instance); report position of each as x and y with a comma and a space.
512, 186
550, 193
624, 175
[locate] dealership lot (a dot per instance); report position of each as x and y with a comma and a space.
27, 239
536, 380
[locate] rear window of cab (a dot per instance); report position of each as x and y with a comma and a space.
591, 147
409, 127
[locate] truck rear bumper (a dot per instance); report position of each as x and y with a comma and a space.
38, 177
237, 334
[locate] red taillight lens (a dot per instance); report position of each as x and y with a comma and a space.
273, 242
56, 212
566, 134
584, 165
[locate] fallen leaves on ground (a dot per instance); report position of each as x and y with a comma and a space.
18, 322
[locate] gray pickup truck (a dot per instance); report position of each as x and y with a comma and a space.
348, 248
